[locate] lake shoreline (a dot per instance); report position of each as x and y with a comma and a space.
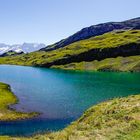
116, 80
109, 119
6, 103
106, 65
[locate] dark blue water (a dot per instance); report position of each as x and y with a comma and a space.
61, 96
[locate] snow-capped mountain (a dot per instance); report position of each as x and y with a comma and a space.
25, 47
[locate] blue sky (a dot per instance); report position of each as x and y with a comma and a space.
48, 21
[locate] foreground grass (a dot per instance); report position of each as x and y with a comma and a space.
131, 63
8, 98
117, 119
109, 40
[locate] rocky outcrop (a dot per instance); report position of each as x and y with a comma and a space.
95, 30
132, 49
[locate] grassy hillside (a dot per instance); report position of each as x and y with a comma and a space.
131, 63
117, 119
95, 30
7, 98
129, 40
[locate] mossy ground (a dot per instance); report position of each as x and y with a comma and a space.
117, 119
8, 98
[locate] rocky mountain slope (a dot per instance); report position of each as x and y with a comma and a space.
95, 30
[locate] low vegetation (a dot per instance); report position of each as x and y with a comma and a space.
131, 63
8, 98
109, 40
117, 119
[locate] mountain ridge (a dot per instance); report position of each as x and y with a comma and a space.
95, 30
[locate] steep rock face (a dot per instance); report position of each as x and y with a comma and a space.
132, 49
95, 30
137, 27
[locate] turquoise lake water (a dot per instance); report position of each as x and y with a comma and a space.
60, 96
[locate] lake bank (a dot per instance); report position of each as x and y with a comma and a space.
36, 89
60, 96
7, 98
117, 119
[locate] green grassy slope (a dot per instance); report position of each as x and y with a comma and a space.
107, 41
95, 30
117, 119
131, 63
7, 98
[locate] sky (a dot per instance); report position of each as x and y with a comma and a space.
48, 21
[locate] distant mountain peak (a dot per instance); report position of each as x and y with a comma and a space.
25, 47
